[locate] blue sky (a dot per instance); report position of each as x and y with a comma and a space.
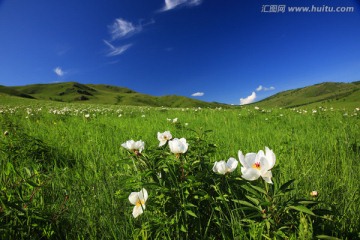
210, 50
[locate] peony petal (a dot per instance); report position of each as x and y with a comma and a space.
143, 195
242, 159
220, 167
259, 155
134, 197
267, 177
231, 164
162, 143
215, 167
185, 145
178, 145
250, 159
264, 165
270, 156
250, 174
138, 210
139, 145
130, 144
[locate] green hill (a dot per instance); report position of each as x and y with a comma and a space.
100, 93
336, 94
13, 92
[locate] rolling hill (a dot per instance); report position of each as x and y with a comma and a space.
100, 94
336, 94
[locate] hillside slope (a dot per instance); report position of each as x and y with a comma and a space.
327, 93
100, 93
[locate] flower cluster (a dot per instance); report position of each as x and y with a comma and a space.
177, 146
254, 165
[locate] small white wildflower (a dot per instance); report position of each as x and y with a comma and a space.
164, 137
223, 167
138, 199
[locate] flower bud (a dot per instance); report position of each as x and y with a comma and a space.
314, 193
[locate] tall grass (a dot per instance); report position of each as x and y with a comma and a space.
64, 173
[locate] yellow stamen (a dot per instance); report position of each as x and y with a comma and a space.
139, 203
256, 166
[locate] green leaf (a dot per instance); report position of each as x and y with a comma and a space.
286, 185
245, 203
249, 188
258, 189
254, 200
28, 171
327, 237
183, 229
303, 209
31, 183
190, 205
191, 213
9, 167
305, 202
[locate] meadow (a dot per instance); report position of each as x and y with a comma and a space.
64, 173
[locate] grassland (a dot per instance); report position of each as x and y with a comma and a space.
64, 174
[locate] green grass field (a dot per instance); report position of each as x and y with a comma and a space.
65, 175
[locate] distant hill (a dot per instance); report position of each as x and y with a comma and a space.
335, 94
13, 92
100, 93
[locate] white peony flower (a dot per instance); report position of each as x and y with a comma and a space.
223, 167
164, 137
138, 199
256, 165
178, 146
131, 145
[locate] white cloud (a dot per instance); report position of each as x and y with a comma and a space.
198, 94
261, 88
121, 28
114, 51
248, 99
171, 4
58, 71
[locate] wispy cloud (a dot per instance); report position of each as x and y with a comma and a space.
58, 71
172, 4
248, 99
122, 28
261, 88
114, 51
198, 94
